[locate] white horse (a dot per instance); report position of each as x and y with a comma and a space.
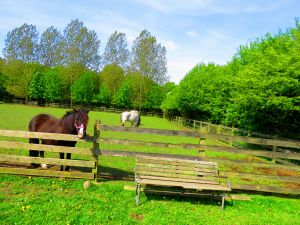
132, 116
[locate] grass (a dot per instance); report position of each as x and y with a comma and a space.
36, 200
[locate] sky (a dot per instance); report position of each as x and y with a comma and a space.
193, 31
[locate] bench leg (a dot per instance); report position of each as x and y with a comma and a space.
137, 194
223, 200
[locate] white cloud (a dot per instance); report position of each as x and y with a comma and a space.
170, 45
192, 34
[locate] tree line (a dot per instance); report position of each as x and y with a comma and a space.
258, 90
62, 67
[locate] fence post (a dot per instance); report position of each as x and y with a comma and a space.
96, 149
275, 148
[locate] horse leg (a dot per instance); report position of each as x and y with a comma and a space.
68, 157
61, 156
43, 165
33, 153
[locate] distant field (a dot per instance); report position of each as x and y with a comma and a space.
34, 200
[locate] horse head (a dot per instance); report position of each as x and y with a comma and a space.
81, 119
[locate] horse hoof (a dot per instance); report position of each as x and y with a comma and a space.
44, 166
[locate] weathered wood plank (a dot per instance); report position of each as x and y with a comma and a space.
176, 166
122, 153
252, 140
51, 161
269, 154
48, 148
162, 160
150, 144
42, 135
265, 188
184, 185
250, 163
178, 179
179, 175
148, 131
46, 173
295, 179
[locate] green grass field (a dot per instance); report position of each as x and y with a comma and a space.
36, 200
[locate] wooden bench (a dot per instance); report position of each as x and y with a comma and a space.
192, 177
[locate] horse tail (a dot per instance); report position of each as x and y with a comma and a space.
139, 120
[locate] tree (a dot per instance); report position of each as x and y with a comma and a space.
54, 86
22, 44
83, 89
154, 98
51, 47
149, 58
104, 96
37, 87
112, 77
81, 45
19, 76
122, 98
116, 52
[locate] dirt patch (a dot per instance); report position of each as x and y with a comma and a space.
136, 216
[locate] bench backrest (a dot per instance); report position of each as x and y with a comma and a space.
178, 170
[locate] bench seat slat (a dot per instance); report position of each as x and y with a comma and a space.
216, 187
169, 161
177, 172
173, 165
178, 175
178, 169
179, 179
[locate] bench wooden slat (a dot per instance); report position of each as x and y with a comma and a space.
178, 175
157, 159
184, 185
191, 173
178, 164
179, 179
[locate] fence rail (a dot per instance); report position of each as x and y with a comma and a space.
14, 162
227, 165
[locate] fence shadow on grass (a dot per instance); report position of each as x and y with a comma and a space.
108, 173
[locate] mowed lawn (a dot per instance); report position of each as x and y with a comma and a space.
36, 200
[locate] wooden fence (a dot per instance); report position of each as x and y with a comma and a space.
261, 170
14, 157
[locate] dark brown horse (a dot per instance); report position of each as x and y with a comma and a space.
73, 122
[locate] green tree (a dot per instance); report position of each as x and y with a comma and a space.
122, 98
37, 87
154, 98
22, 44
54, 85
103, 97
83, 89
112, 77
51, 47
149, 58
116, 52
81, 45
18, 76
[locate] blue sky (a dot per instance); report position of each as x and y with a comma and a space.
193, 31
